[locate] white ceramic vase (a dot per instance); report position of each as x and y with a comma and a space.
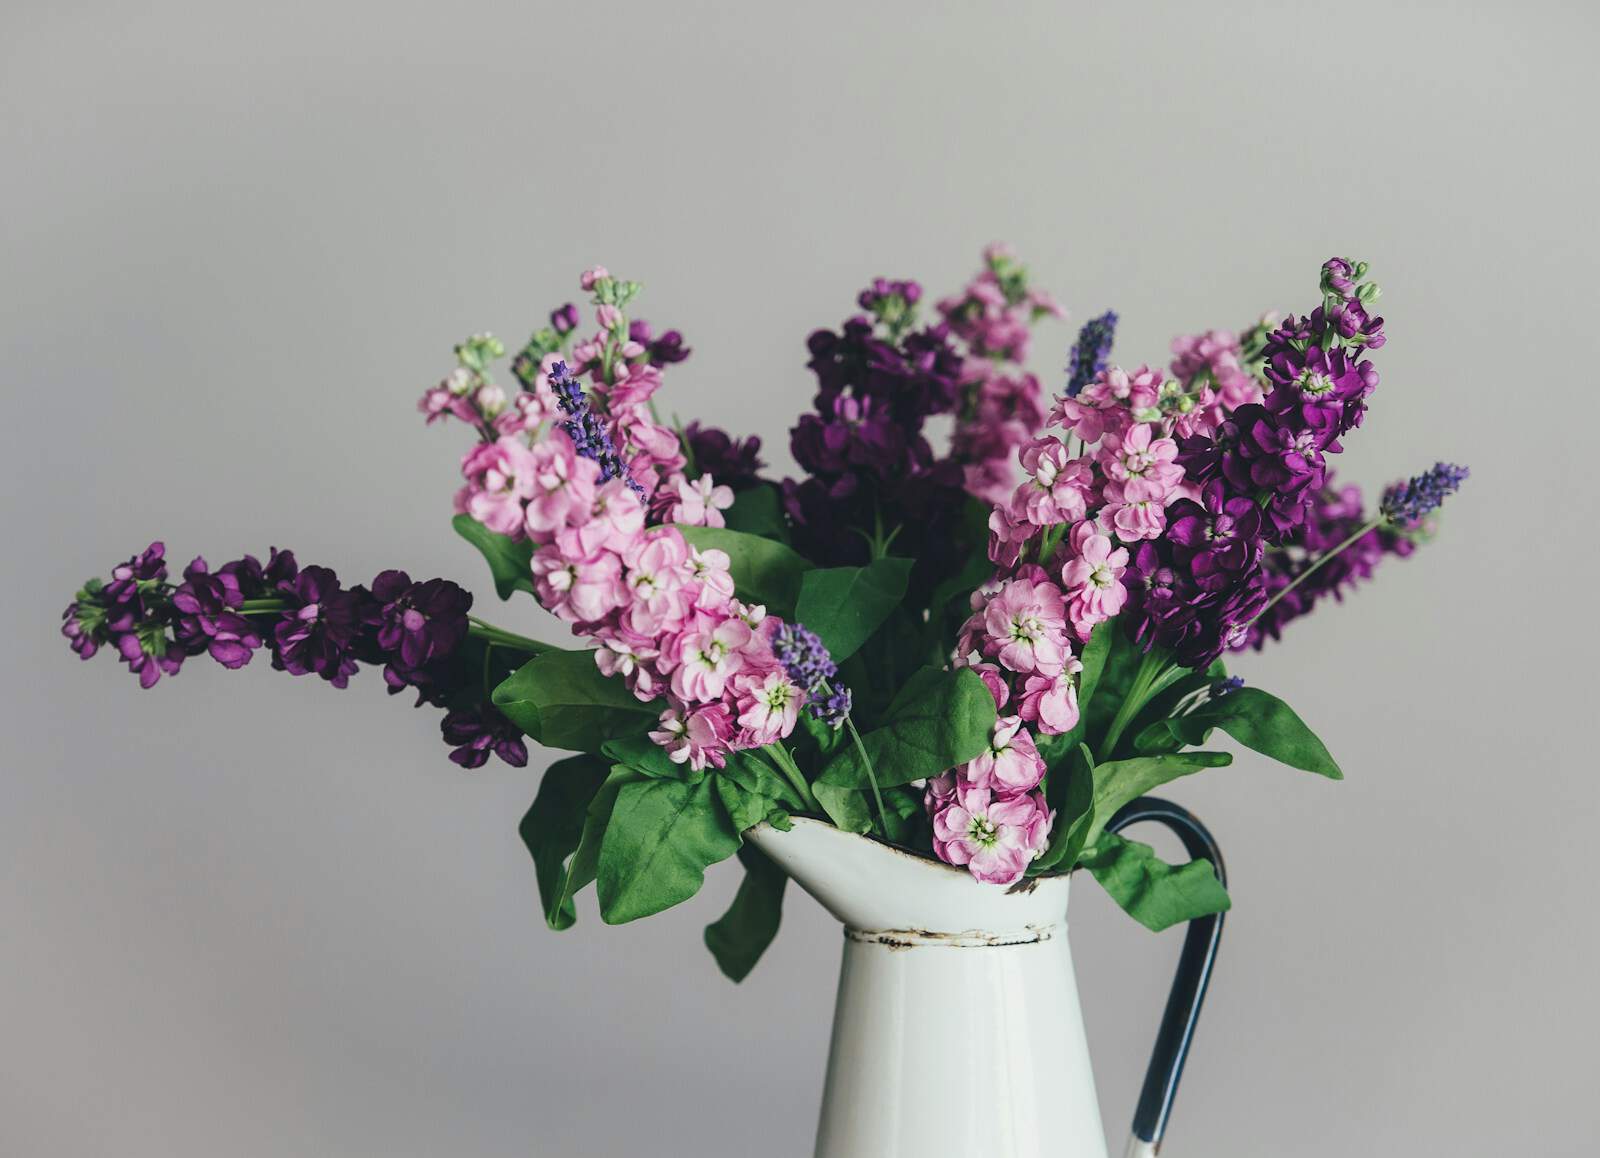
957, 1031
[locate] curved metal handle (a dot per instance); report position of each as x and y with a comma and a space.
1188, 987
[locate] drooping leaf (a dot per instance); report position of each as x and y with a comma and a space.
763, 571
1116, 782
847, 808
938, 720
1071, 793
845, 605
509, 559
1259, 721
739, 937
553, 827
749, 770
758, 511
662, 837
1154, 893
645, 755
561, 700
560, 912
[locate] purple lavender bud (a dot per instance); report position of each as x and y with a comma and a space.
1406, 504
808, 664
589, 435
1225, 686
1091, 352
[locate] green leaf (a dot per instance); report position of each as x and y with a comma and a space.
750, 771
1095, 652
1259, 721
509, 559
1072, 791
585, 860
758, 511
763, 571
561, 700
845, 605
553, 828
644, 755
1117, 671
739, 937
847, 808
1116, 782
972, 575
1154, 893
663, 836
939, 719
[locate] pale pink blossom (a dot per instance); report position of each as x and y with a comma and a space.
591, 275
1012, 763
629, 658
564, 486
699, 739
1092, 578
699, 503
705, 656
1026, 627
583, 590
995, 680
768, 706
708, 571
1058, 488
994, 837
500, 479
1136, 509
1135, 454
1050, 703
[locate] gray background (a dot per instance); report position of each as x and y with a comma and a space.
248, 915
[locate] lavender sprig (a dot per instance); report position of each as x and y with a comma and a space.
588, 433
1091, 352
1406, 504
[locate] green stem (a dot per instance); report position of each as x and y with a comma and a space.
497, 635
1321, 559
779, 755
872, 775
260, 606
1155, 675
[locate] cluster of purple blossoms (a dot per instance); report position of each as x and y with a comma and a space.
309, 623
809, 667
733, 462
1091, 353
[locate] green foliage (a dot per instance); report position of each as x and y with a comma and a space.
581, 868
1095, 653
1070, 792
758, 511
554, 826
845, 605
509, 559
739, 937
1117, 782
764, 571
847, 808
937, 720
662, 836
1154, 893
1257, 720
561, 700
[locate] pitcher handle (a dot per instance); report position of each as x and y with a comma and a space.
1188, 987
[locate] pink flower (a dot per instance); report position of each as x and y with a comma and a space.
655, 581
616, 517
705, 657
698, 739
592, 275
1025, 626
607, 315
708, 571
768, 706
699, 503
621, 655
1136, 509
1133, 453
1050, 703
581, 590
1059, 488
1012, 763
500, 479
563, 488
1093, 579
635, 385
995, 680
995, 838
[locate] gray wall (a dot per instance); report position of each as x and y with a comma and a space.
247, 915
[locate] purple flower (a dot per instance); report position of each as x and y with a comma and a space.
564, 320
321, 628
418, 623
806, 661
1406, 504
666, 350
1217, 538
1167, 607
1091, 353
1225, 686
255, 581
478, 731
733, 462
207, 619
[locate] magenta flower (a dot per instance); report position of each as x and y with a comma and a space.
768, 706
1050, 703
1092, 578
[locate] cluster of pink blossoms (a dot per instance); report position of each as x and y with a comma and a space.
1001, 404
607, 556
1061, 545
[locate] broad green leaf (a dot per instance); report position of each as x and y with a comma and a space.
1262, 722
739, 937
553, 828
561, 700
749, 770
1154, 893
1117, 670
973, 574
904, 814
758, 511
847, 808
1116, 782
845, 605
1071, 788
763, 571
663, 836
645, 755
585, 862
938, 720
509, 559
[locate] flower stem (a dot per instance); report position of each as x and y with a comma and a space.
872, 775
1155, 675
779, 755
1320, 560
497, 635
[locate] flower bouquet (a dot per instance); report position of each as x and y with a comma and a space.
977, 651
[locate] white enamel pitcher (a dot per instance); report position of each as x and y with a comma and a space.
957, 1031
